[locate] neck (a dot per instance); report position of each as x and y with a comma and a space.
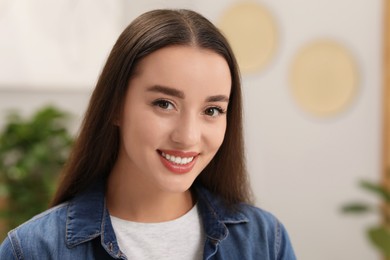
136, 200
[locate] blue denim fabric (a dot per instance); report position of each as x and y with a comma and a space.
81, 229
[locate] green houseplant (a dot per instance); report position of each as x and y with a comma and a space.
32, 153
379, 235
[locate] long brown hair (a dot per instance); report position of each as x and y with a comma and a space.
96, 148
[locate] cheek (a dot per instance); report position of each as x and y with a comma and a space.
217, 135
147, 127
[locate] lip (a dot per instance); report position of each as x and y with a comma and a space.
177, 168
179, 153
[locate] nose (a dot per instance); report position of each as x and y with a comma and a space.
187, 131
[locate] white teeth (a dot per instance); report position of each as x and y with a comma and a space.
177, 159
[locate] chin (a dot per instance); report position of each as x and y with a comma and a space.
178, 187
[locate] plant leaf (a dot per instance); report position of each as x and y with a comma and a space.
32, 152
376, 188
357, 208
380, 237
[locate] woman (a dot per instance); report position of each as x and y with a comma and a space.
158, 169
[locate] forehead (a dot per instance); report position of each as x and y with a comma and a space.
185, 68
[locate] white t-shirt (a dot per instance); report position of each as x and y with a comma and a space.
182, 238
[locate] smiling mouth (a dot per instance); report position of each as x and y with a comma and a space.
177, 159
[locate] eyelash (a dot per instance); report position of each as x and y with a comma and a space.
219, 109
161, 103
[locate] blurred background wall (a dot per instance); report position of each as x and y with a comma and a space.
305, 159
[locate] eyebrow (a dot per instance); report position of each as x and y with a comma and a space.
218, 98
167, 91
178, 93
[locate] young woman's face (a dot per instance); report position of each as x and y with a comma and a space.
174, 117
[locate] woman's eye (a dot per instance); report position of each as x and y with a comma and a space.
164, 104
214, 111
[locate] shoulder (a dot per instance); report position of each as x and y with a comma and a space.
48, 220
263, 228
260, 217
246, 228
257, 220
38, 232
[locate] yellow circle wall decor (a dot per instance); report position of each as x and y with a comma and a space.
251, 31
324, 78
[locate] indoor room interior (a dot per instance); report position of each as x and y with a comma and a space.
316, 87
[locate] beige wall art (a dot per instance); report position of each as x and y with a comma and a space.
251, 30
324, 78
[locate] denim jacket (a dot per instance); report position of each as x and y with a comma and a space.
81, 229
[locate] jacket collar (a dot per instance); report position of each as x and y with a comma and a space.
88, 217
215, 214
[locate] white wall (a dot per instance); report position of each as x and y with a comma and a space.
302, 168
